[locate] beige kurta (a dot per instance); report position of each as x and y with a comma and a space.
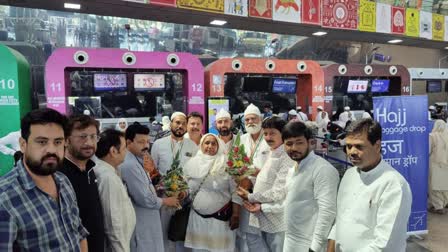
438, 162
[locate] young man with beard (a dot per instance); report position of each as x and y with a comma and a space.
119, 214
82, 137
310, 205
148, 230
374, 200
224, 125
163, 153
257, 150
38, 210
269, 188
194, 127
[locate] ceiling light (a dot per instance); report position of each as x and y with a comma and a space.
446, 47
218, 22
72, 6
394, 41
320, 33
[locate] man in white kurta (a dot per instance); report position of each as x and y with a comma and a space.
224, 126
300, 115
258, 150
269, 188
310, 205
118, 212
374, 200
163, 153
319, 117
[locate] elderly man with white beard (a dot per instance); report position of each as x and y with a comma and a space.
258, 151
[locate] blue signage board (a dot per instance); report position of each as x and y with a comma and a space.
380, 86
405, 146
284, 85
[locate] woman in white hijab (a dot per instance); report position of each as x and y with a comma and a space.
122, 125
438, 167
207, 229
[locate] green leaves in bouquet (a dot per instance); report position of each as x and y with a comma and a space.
176, 164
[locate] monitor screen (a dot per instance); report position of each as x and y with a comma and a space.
380, 86
434, 86
284, 85
357, 86
149, 82
109, 82
256, 84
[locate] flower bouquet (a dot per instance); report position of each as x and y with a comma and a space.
239, 165
173, 183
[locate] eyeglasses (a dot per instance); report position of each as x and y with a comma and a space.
93, 137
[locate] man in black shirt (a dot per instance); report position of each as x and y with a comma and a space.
82, 137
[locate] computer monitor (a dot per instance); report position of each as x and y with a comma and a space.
434, 86
357, 86
109, 82
256, 84
284, 85
149, 82
380, 86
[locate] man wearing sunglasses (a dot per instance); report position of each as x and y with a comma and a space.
82, 138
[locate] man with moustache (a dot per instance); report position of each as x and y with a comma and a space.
269, 188
258, 151
82, 137
194, 127
374, 200
38, 210
224, 125
119, 214
311, 184
148, 230
163, 153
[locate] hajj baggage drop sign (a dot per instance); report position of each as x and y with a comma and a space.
404, 122
15, 102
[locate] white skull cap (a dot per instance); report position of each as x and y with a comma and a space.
252, 109
175, 114
292, 112
223, 114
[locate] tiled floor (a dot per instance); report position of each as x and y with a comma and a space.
437, 238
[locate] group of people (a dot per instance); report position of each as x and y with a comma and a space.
77, 188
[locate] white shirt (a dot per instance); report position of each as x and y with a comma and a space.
260, 148
118, 212
260, 151
319, 117
270, 187
365, 115
187, 136
11, 139
310, 206
373, 210
302, 116
229, 144
163, 149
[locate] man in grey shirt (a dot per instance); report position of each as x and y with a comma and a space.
163, 153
